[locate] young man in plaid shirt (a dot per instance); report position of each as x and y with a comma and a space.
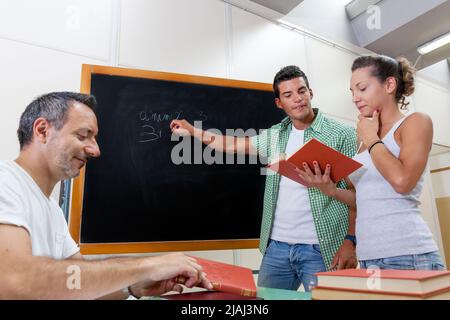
303, 231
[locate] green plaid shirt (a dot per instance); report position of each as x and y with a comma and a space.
330, 216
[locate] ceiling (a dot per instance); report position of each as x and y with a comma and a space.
283, 6
404, 25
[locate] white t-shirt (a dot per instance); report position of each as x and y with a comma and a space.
293, 220
23, 204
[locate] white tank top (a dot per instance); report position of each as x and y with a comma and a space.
388, 223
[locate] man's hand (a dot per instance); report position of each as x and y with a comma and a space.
345, 257
152, 288
182, 128
318, 180
164, 272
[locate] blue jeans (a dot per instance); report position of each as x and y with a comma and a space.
287, 266
425, 261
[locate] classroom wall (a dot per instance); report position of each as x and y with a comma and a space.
434, 99
440, 175
44, 46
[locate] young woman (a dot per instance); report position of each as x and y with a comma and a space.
394, 149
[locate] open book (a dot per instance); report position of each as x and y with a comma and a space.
314, 150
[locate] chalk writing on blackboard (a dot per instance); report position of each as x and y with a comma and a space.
154, 124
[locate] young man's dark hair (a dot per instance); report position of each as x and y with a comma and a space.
53, 107
287, 73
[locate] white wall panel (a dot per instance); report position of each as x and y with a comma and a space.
441, 179
434, 100
261, 48
174, 36
441, 184
330, 73
26, 72
429, 209
251, 258
76, 26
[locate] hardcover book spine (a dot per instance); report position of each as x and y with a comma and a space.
232, 289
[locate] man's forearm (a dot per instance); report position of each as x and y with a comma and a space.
221, 143
351, 221
44, 278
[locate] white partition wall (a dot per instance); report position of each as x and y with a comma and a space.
330, 72
434, 100
28, 71
440, 176
174, 36
260, 48
80, 27
429, 211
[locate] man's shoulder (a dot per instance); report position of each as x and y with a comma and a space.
6, 170
338, 127
9, 178
280, 125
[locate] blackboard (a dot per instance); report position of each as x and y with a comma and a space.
135, 194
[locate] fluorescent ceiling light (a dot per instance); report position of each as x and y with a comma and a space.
434, 44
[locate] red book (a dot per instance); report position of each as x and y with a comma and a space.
228, 278
418, 282
314, 150
325, 293
208, 295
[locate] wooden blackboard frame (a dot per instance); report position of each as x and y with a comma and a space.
78, 183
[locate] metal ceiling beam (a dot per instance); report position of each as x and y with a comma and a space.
283, 7
357, 7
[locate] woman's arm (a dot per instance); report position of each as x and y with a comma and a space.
416, 135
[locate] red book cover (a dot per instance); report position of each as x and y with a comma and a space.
403, 281
387, 274
229, 278
208, 295
367, 294
314, 150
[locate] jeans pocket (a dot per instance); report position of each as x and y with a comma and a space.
316, 248
438, 267
270, 245
429, 261
399, 263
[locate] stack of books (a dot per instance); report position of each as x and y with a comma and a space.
376, 284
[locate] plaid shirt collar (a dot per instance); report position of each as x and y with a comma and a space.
316, 125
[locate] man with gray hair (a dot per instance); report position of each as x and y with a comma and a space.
57, 135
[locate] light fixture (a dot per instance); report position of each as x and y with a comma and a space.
434, 44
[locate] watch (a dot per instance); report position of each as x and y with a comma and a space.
127, 291
352, 238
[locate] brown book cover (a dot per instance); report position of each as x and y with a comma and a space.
410, 281
314, 150
227, 277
